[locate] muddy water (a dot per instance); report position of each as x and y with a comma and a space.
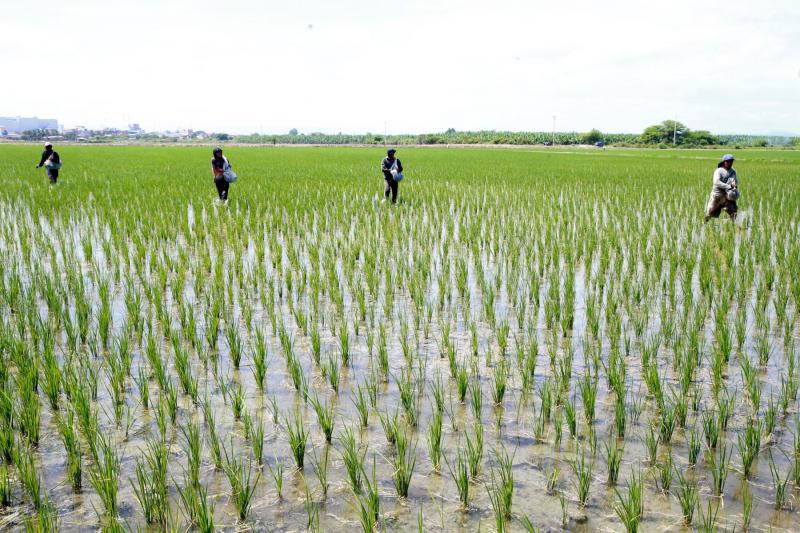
432, 494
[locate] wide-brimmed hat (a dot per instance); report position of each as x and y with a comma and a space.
48, 144
391, 151
726, 157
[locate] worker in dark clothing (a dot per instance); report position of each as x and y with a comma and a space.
51, 162
392, 173
219, 164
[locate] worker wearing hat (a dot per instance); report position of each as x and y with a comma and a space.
392, 174
724, 190
51, 162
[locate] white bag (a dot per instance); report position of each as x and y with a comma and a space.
396, 176
227, 172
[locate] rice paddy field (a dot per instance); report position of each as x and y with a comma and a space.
529, 340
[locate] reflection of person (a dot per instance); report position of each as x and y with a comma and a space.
391, 166
219, 164
51, 162
724, 190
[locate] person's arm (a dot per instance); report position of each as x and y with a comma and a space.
42, 160
384, 162
719, 182
399, 166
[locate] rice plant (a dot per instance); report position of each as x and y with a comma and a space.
435, 440
150, 483
708, 518
277, 476
688, 496
613, 462
718, 465
403, 462
104, 475
390, 423
475, 450
368, 503
460, 473
240, 480
192, 445
630, 506
72, 448
353, 458
779, 483
362, 406
582, 468
321, 469
298, 436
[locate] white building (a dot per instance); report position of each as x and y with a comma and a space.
20, 124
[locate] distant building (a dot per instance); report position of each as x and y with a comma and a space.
20, 124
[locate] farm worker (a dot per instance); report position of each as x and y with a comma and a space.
724, 190
219, 165
392, 173
51, 162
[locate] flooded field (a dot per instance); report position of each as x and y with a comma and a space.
527, 341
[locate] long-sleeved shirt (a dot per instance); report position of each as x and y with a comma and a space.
218, 166
723, 179
51, 155
386, 166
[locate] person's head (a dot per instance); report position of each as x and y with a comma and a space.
48, 146
390, 152
217, 152
726, 162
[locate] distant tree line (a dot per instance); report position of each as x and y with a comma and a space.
664, 135
661, 135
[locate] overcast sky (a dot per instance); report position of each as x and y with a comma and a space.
354, 66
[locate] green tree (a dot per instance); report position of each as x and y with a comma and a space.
664, 133
592, 136
701, 137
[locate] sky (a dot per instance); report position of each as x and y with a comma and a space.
352, 66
